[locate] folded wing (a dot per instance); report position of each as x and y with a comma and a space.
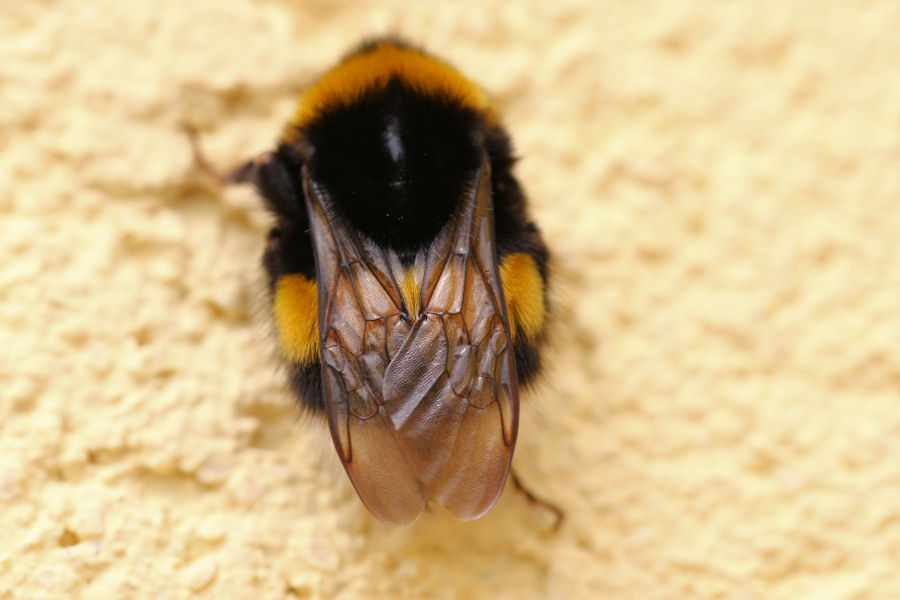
421, 400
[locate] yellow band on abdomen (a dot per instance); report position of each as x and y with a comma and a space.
296, 312
523, 290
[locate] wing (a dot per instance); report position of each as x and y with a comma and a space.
421, 400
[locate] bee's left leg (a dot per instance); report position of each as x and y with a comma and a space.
533, 499
246, 173
274, 174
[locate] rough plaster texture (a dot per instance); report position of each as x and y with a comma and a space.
719, 182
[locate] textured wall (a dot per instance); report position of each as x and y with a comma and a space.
719, 184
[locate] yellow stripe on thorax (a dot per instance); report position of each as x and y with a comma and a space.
523, 290
374, 68
296, 311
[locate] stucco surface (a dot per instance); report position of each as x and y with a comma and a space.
719, 184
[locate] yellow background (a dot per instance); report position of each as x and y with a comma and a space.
719, 182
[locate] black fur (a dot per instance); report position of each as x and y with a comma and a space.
515, 230
400, 199
528, 361
279, 179
307, 383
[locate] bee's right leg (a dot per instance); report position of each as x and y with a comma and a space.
534, 499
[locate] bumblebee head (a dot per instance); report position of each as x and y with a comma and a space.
398, 213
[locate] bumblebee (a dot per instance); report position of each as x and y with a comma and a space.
408, 283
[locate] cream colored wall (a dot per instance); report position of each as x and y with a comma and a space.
719, 182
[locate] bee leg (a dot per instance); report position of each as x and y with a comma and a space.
558, 514
246, 173
272, 173
200, 161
